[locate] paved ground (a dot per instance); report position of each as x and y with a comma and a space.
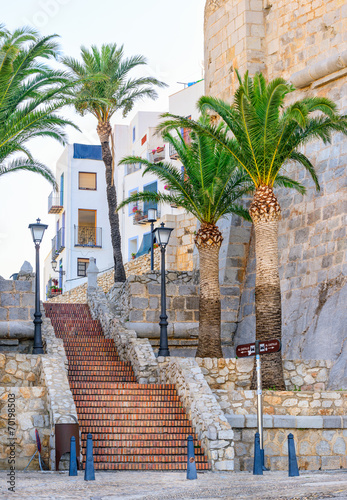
173, 485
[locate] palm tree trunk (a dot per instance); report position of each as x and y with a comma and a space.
208, 241
104, 130
265, 213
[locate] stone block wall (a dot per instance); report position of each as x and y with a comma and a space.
316, 448
19, 369
17, 302
137, 303
31, 412
303, 42
296, 403
233, 373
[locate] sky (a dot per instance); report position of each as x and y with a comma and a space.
170, 36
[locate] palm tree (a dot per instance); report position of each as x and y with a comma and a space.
107, 88
30, 94
209, 188
263, 138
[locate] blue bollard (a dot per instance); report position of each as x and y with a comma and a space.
257, 463
73, 458
89, 474
292, 462
191, 464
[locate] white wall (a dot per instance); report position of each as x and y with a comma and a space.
75, 199
145, 123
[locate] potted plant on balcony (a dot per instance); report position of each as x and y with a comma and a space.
133, 255
55, 290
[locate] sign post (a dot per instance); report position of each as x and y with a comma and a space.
257, 348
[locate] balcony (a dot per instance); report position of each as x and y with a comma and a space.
157, 155
58, 243
129, 169
55, 203
87, 236
173, 153
141, 216
53, 289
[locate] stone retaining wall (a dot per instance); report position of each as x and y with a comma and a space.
31, 412
296, 403
137, 302
317, 448
234, 373
19, 369
17, 301
60, 404
202, 408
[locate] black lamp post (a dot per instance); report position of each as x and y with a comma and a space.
37, 231
152, 218
163, 235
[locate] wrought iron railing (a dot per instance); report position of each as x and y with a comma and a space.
157, 155
58, 243
129, 169
87, 236
55, 203
172, 152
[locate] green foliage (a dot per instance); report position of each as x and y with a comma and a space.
264, 135
30, 95
104, 85
211, 184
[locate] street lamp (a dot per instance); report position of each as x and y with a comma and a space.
54, 264
37, 231
162, 234
152, 218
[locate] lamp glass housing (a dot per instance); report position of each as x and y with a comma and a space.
37, 231
152, 215
162, 234
54, 265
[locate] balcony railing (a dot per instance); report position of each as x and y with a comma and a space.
52, 290
55, 203
173, 153
129, 169
141, 216
58, 243
86, 236
157, 155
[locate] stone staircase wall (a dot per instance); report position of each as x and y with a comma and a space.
17, 301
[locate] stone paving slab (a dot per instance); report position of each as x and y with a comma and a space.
173, 485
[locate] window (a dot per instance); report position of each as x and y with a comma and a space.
134, 134
82, 265
133, 206
87, 180
86, 227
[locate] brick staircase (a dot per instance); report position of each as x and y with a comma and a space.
134, 426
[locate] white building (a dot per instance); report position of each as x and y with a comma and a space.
80, 206
81, 216
139, 139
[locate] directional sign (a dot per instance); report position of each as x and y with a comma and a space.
266, 347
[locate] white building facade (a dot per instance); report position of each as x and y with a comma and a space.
80, 207
81, 217
139, 139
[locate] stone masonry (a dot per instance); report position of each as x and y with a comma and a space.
303, 42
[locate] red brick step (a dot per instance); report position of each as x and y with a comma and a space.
134, 426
